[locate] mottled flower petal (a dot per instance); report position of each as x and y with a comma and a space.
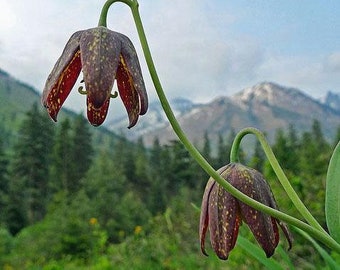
100, 49
287, 233
224, 221
131, 59
63, 77
263, 227
127, 92
204, 218
97, 116
270, 201
251, 183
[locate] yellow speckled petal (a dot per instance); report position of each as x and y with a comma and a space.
100, 50
131, 60
204, 218
62, 77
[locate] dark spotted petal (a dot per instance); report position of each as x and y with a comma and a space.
268, 199
263, 227
287, 233
224, 221
100, 50
131, 59
97, 116
63, 77
204, 218
127, 92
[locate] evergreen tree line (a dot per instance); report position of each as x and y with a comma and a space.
51, 164
61, 179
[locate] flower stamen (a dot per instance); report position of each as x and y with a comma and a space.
114, 95
81, 90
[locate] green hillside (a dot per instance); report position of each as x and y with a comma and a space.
16, 98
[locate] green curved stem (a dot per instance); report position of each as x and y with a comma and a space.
105, 9
325, 238
277, 169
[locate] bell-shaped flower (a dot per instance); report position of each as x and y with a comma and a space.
223, 214
103, 56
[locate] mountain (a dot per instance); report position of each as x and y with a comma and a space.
154, 119
266, 106
332, 100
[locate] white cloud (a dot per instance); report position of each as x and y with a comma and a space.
311, 75
332, 62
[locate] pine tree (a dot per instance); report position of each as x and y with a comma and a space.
181, 168
159, 173
221, 155
258, 160
281, 148
314, 156
124, 156
117, 206
28, 189
142, 172
81, 153
206, 151
105, 185
62, 161
293, 146
336, 137
3, 182
315, 151
224, 148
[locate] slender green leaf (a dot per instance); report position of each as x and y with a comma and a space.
332, 204
328, 259
283, 253
258, 253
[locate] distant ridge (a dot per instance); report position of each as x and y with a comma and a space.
266, 105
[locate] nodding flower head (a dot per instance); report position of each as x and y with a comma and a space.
103, 56
223, 214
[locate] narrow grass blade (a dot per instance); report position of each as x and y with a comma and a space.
257, 253
327, 258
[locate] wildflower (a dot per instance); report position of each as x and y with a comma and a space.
93, 221
138, 230
223, 213
103, 56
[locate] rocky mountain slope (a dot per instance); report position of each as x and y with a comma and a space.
267, 106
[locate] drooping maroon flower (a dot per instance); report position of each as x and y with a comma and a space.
223, 214
103, 56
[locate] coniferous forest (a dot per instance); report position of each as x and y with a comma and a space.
71, 199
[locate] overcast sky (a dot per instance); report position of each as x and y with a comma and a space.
202, 48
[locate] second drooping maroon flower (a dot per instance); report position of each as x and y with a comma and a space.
103, 56
222, 213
